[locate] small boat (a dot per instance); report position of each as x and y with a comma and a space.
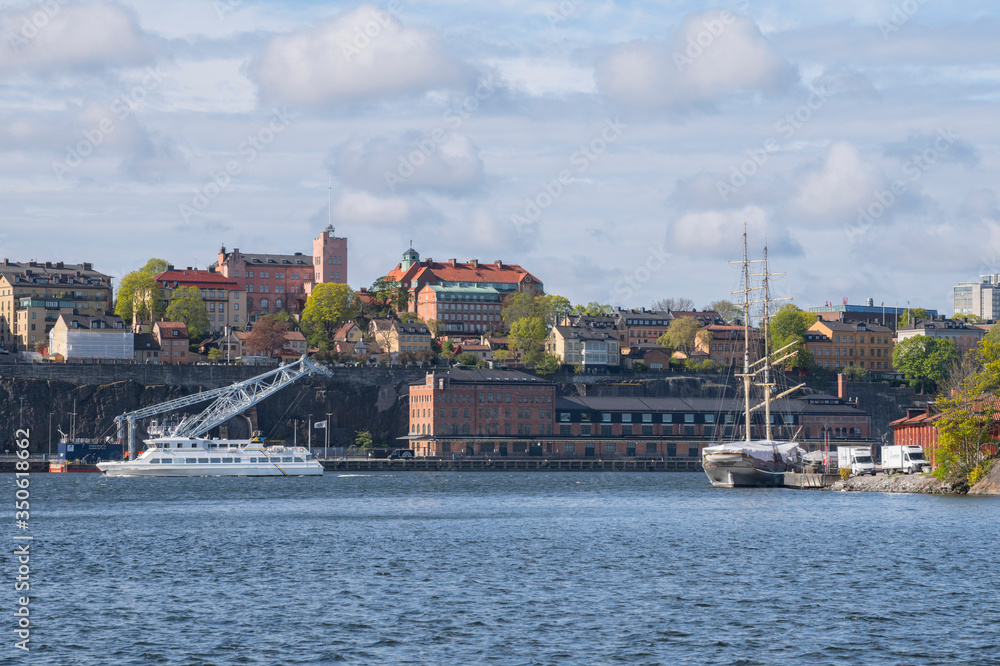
186, 456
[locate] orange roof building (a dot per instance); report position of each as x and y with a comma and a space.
466, 296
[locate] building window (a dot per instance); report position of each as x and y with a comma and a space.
263, 302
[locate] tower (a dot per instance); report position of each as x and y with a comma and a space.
330, 257
410, 257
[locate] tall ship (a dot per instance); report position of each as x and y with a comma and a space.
182, 449
755, 463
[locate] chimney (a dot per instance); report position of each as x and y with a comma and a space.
498, 263
88, 267
452, 262
6, 262
474, 263
841, 386
48, 264
60, 265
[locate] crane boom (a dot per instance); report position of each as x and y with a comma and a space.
229, 401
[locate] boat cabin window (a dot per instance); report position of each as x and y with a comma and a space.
286, 459
227, 460
301, 460
215, 460
190, 461
203, 461
153, 461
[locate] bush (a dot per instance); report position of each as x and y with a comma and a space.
845, 472
980, 470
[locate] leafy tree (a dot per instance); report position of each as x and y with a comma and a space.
268, 336
408, 317
186, 306
388, 296
679, 304
527, 334
924, 360
556, 308
729, 311
551, 309
363, 439
139, 299
468, 358
448, 349
788, 326
546, 364
593, 309
214, 354
406, 358
912, 315
966, 434
855, 373
155, 266
682, 334
329, 306
425, 357
501, 356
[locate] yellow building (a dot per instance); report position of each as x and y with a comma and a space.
34, 294
392, 337
837, 344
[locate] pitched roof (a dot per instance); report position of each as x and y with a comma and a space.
199, 279
478, 376
179, 326
94, 322
456, 271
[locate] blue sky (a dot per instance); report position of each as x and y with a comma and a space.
615, 149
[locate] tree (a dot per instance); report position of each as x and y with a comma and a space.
593, 309
408, 317
435, 326
924, 360
388, 296
912, 315
186, 306
967, 430
363, 439
968, 318
788, 327
679, 304
155, 266
139, 299
729, 311
855, 373
405, 358
546, 364
214, 354
268, 336
468, 358
556, 308
329, 306
501, 356
682, 333
448, 349
527, 334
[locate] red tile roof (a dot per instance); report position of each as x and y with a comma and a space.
434, 271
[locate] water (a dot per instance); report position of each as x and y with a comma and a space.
497, 568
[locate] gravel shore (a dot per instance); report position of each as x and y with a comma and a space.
897, 483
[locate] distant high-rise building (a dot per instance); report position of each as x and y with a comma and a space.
978, 298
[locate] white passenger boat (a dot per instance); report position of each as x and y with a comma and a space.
185, 456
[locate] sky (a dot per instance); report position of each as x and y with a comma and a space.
615, 149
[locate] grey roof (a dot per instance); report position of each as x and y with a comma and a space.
145, 341
93, 322
456, 375
53, 272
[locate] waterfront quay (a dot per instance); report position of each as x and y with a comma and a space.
511, 465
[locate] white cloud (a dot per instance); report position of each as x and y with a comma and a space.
543, 78
408, 162
362, 54
718, 234
355, 207
714, 55
77, 36
834, 191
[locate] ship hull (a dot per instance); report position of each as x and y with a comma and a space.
743, 471
312, 468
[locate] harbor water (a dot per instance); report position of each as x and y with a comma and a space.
502, 568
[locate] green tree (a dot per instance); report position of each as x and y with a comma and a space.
468, 358
362, 439
556, 308
788, 327
681, 334
855, 373
387, 296
408, 317
155, 266
912, 315
527, 334
329, 306
139, 299
501, 356
546, 364
966, 434
435, 326
924, 360
448, 349
186, 306
593, 309
214, 355
267, 337
968, 318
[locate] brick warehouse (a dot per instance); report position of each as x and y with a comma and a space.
501, 413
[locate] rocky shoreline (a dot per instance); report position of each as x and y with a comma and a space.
898, 483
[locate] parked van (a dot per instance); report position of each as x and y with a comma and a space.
858, 459
903, 458
401, 454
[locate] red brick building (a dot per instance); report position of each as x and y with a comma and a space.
276, 282
222, 296
467, 297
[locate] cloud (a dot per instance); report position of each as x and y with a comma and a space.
408, 162
81, 36
718, 234
714, 55
362, 54
833, 191
945, 148
981, 204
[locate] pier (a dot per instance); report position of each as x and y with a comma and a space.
810, 481
509, 465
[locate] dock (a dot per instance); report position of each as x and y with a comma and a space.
508, 465
810, 481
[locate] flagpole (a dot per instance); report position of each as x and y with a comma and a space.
310, 432
326, 426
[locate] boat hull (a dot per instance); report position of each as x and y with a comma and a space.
744, 473
312, 468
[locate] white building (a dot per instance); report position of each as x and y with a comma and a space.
91, 337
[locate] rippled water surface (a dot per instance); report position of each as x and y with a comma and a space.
503, 568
